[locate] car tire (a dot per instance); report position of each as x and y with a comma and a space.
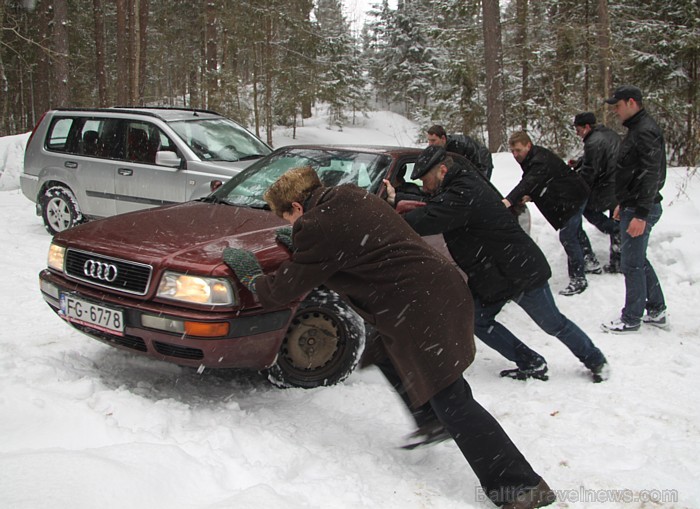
59, 209
322, 345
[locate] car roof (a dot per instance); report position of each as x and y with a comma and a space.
372, 149
164, 113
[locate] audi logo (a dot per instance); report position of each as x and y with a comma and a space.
100, 270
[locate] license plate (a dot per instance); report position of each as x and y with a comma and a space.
92, 315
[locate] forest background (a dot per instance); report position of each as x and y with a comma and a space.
481, 67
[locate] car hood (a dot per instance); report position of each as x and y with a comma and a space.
189, 236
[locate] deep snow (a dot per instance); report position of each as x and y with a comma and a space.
83, 425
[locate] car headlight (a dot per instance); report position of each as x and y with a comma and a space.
57, 255
195, 289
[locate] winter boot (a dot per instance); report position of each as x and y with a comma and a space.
576, 286
600, 372
592, 265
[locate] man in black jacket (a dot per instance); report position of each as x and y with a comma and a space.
597, 167
640, 175
501, 261
465, 146
559, 193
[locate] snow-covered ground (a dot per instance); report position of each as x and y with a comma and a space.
83, 425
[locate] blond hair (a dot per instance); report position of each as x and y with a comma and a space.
519, 137
296, 185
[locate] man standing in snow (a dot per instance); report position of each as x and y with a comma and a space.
501, 261
463, 145
415, 299
597, 167
559, 193
640, 175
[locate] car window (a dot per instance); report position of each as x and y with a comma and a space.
219, 139
58, 134
334, 167
143, 140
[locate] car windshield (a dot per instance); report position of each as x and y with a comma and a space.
219, 139
334, 167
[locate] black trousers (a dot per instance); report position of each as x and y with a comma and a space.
502, 470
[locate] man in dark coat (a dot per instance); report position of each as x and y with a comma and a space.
597, 167
466, 146
559, 193
501, 261
640, 176
353, 243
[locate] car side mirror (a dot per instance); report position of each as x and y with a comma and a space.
168, 158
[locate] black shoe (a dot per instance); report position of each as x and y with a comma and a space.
430, 434
612, 268
539, 496
600, 372
576, 286
538, 371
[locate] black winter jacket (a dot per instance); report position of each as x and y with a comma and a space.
474, 151
641, 165
556, 189
598, 164
484, 238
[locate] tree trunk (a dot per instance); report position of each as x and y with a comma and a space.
134, 52
100, 73
605, 72
521, 42
143, 50
122, 83
211, 54
493, 56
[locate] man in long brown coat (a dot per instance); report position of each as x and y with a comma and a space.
353, 243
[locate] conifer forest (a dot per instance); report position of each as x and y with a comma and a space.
481, 67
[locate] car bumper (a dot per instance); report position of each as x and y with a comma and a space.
253, 340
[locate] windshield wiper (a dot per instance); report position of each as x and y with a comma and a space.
251, 156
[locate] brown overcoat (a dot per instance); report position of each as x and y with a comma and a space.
355, 244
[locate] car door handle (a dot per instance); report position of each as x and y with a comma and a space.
125, 171
70, 164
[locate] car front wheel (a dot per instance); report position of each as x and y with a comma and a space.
59, 209
323, 343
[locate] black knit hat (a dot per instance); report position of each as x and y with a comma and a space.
430, 157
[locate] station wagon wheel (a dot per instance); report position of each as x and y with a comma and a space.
59, 209
323, 343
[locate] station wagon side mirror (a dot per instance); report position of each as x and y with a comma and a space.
168, 158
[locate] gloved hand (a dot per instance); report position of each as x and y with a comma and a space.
244, 265
283, 235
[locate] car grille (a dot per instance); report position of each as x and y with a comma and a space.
121, 275
178, 351
132, 342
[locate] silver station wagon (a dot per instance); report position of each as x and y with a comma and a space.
83, 164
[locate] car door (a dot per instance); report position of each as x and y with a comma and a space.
139, 182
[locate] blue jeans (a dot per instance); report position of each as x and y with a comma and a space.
569, 238
642, 287
539, 304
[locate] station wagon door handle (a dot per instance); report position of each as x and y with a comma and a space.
125, 171
70, 164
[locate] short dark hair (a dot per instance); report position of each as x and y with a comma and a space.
585, 118
437, 130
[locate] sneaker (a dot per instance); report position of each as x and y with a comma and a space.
657, 319
539, 496
538, 371
592, 265
576, 286
600, 373
617, 326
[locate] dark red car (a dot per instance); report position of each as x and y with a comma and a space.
153, 282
